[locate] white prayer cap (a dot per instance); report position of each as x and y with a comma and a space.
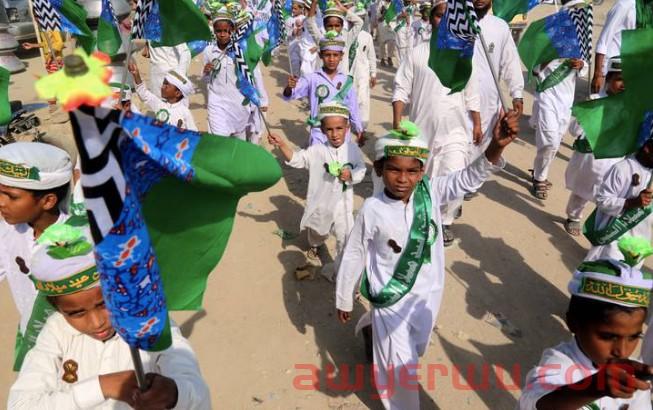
404, 142
63, 262
181, 82
614, 65
334, 12
332, 41
222, 14
332, 109
34, 165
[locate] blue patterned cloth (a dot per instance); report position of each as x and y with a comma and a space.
562, 33
447, 41
646, 130
153, 24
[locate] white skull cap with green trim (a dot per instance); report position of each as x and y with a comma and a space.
332, 10
63, 261
332, 109
406, 141
183, 84
34, 165
618, 282
222, 14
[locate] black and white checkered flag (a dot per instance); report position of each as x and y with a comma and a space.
583, 20
46, 16
461, 19
143, 10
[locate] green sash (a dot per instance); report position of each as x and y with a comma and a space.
417, 252
555, 77
41, 311
352, 54
313, 121
616, 228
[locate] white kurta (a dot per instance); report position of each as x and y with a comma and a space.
403, 38
295, 29
227, 115
505, 59
15, 261
350, 34
178, 114
421, 32
566, 364
618, 185
325, 196
622, 16
401, 332
164, 59
364, 69
553, 116
40, 384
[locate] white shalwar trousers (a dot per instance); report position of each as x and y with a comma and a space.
343, 222
575, 207
552, 124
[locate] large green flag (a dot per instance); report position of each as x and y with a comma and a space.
508, 9
395, 9
108, 35
180, 22
73, 20
5, 108
612, 124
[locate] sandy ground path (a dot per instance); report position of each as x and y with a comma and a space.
264, 335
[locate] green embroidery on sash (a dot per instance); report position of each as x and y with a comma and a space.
9, 169
41, 311
616, 228
416, 252
344, 90
556, 77
352, 54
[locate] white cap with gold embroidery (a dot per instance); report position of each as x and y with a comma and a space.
34, 165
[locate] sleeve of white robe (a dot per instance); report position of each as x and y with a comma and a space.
149, 99
301, 158
471, 93
37, 384
404, 80
179, 363
608, 198
455, 185
511, 67
371, 57
313, 29
184, 57
189, 122
352, 264
358, 173
355, 26
614, 22
260, 85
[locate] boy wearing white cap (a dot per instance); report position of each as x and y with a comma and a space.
79, 361
584, 173
334, 19
334, 167
623, 200
34, 183
594, 370
170, 107
396, 245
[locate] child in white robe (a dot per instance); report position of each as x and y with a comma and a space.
363, 69
594, 370
421, 28
623, 199
334, 167
164, 59
396, 245
79, 360
34, 187
584, 173
403, 33
295, 30
170, 107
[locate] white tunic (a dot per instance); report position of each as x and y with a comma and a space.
622, 16
164, 59
618, 185
505, 59
566, 364
363, 69
442, 117
421, 32
325, 193
18, 247
401, 331
349, 34
178, 114
40, 384
227, 115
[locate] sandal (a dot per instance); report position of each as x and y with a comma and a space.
313, 253
541, 189
573, 228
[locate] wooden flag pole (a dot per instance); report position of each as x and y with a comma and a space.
507, 105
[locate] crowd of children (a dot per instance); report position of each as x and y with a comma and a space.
391, 250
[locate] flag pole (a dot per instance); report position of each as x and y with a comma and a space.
507, 106
265, 122
123, 80
138, 368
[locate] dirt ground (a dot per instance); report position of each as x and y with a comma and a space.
263, 334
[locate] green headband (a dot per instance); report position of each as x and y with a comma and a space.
75, 283
11, 170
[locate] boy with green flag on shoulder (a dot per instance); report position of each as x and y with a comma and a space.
397, 247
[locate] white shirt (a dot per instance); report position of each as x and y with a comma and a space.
178, 114
619, 185
403, 35
566, 364
622, 16
325, 192
364, 65
15, 261
505, 59
421, 31
381, 219
441, 117
40, 384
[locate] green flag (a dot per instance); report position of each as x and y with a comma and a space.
612, 124
181, 22
73, 20
5, 108
395, 9
508, 9
108, 35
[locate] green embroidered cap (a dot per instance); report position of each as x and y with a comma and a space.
405, 142
332, 41
34, 165
332, 109
615, 281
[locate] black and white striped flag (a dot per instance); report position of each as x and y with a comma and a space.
46, 16
583, 20
462, 21
143, 10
